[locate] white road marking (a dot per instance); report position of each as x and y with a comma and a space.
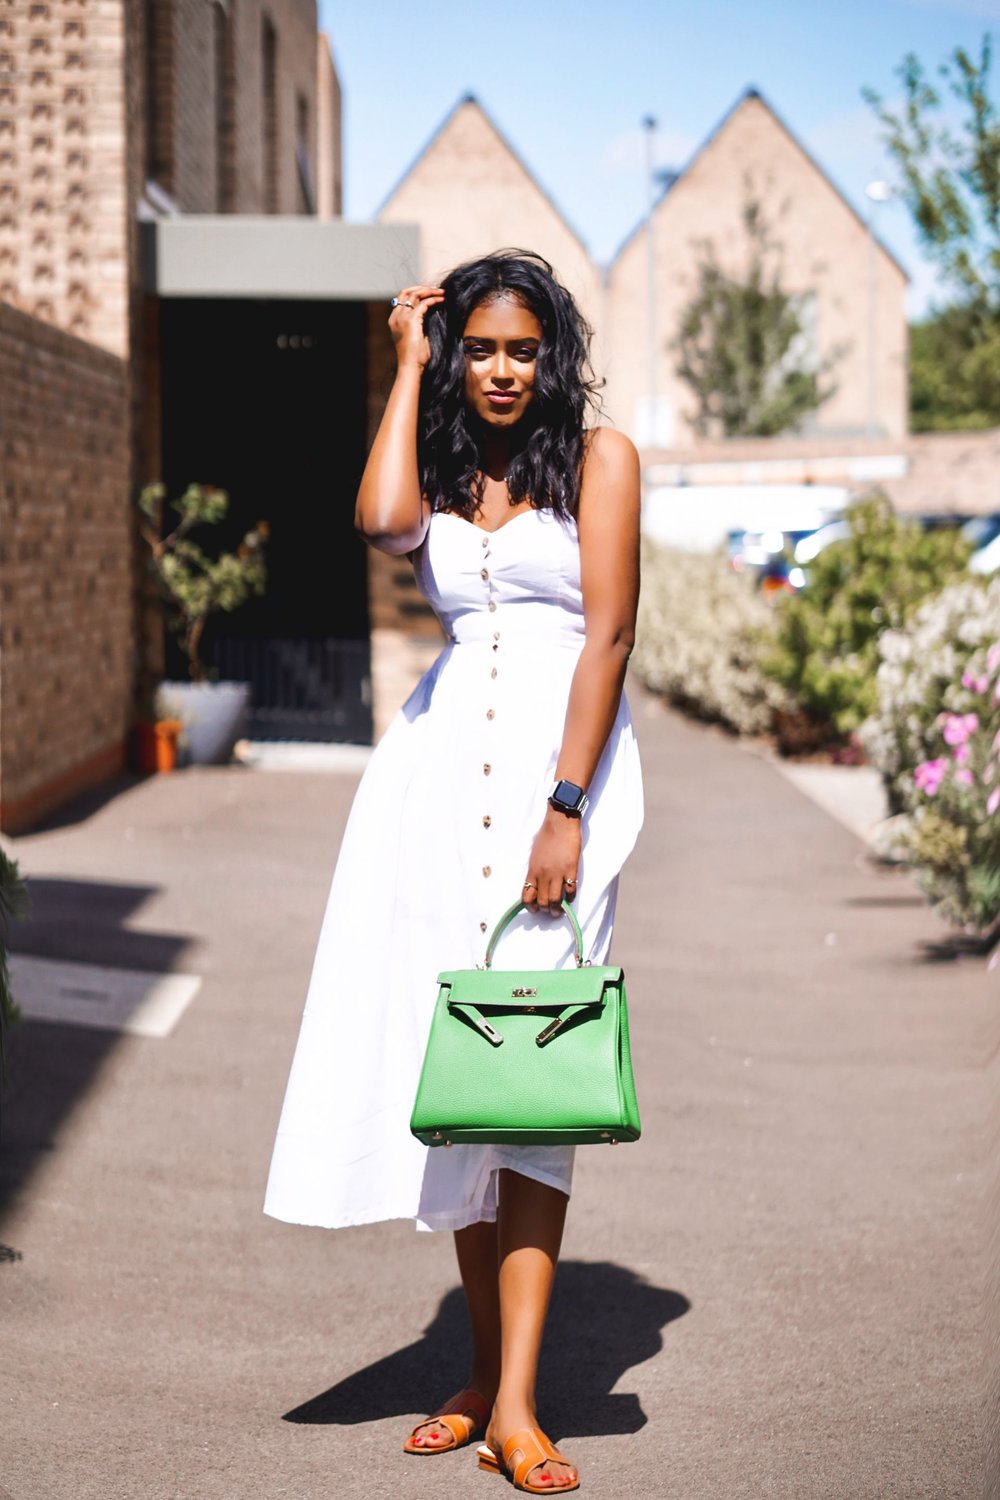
131, 1000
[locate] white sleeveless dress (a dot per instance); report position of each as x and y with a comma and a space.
435, 849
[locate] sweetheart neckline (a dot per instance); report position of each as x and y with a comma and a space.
534, 510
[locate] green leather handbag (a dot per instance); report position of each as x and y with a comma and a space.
528, 1058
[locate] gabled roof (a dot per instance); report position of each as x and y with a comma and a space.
461, 103
754, 93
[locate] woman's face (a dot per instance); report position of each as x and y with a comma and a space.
501, 342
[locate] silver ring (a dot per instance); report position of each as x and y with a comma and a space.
397, 303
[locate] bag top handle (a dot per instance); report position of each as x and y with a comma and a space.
520, 906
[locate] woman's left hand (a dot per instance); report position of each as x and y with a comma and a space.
554, 862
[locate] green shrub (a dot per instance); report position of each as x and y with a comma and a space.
827, 635
13, 903
698, 639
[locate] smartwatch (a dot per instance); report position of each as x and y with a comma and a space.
566, 797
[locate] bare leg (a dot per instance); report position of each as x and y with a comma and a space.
476, 1248
530, 1226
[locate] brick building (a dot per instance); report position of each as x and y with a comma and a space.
178, 299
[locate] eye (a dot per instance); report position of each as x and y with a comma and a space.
526, 352
476, 351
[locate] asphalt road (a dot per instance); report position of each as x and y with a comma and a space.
778, 1292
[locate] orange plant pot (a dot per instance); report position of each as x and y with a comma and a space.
156, 745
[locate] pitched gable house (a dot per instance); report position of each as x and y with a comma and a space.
849, 288
470, 193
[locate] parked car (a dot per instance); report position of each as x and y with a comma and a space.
984, 532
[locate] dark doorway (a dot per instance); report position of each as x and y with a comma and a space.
267, 399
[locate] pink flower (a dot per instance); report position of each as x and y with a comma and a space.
973, 683
958, 727
965, 776
993, 657
993, 801
961, 753
929, 775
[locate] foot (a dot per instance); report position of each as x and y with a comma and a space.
550, 1473
466, 1413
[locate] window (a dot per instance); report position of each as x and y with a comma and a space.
224, 134
269, 114
307, 197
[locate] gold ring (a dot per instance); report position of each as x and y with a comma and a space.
529, 885
567, 881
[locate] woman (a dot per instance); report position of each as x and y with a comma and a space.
522, 526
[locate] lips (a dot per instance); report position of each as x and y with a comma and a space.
501, 398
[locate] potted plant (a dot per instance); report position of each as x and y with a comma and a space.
193, 586
157, 736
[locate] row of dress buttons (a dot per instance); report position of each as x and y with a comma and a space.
490, 713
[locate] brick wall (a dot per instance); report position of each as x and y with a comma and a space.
65, 579
209, 76
63, 209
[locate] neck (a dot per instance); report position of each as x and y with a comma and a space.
498, 447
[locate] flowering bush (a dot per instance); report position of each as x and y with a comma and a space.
936, 739
699, 637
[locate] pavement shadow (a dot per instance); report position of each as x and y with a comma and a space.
52, 1066
604, 1320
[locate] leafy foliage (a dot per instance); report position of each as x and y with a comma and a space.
826, 648
949, 179
737, 346
193, 584
954, 372
698, 639
13, 904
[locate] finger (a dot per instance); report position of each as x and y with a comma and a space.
529, 892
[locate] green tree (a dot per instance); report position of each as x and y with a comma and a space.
948, 168
737, 345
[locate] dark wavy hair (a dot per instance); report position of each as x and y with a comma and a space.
546, 469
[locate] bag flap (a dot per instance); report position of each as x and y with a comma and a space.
515, 989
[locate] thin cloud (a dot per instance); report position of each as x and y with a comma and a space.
988, 10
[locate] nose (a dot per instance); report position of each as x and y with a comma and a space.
501, 370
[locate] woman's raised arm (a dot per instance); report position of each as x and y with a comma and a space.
390, 512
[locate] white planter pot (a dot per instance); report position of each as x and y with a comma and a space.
214, 717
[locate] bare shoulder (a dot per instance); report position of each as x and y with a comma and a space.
610, 467
607, 449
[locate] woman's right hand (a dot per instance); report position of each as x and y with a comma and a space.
406, 324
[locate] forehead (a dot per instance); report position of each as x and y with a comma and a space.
503, 318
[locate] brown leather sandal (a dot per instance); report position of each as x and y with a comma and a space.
463, 1417
523, 1451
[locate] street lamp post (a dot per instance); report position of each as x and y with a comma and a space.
876, 192
649, 126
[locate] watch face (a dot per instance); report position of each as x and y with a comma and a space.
567, 795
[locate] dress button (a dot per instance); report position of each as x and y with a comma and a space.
494, 672
489, 713
486, 541
482, 927
491, 606
496, 635
487, 769
484, 574
487, 820
487, 871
